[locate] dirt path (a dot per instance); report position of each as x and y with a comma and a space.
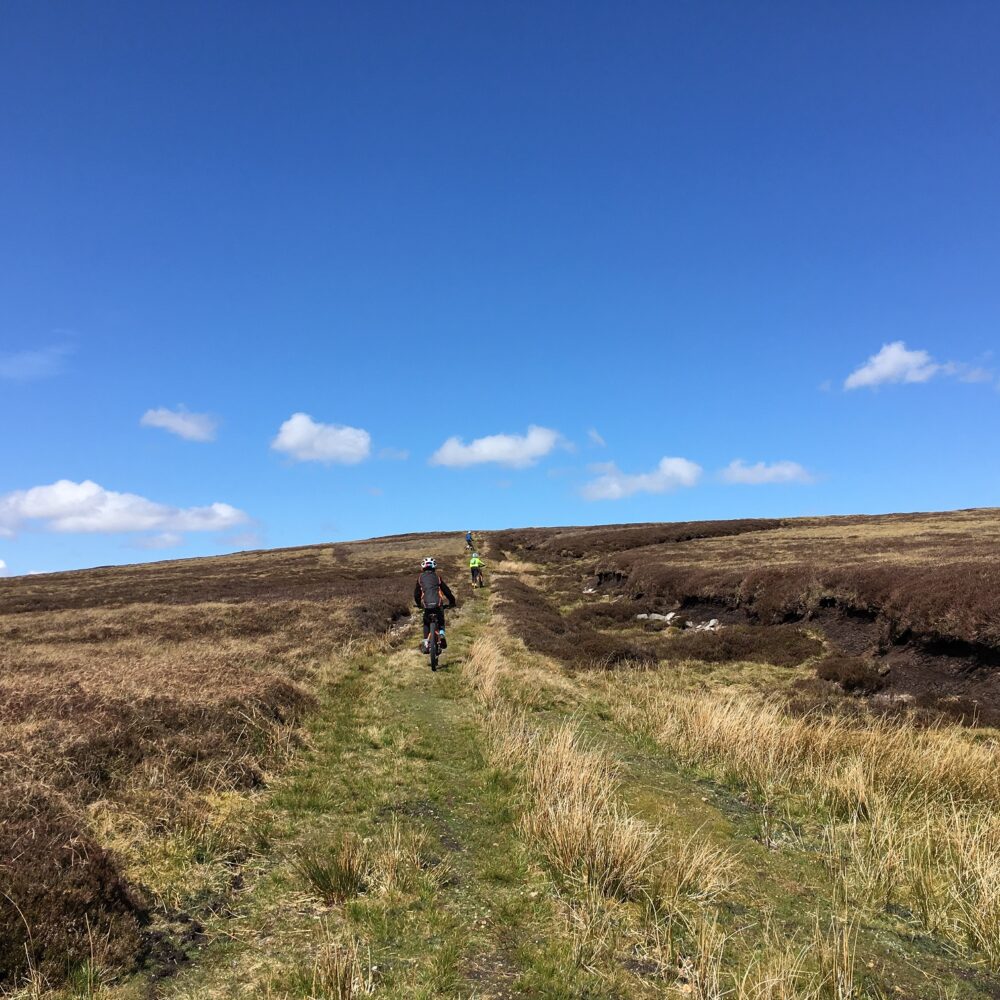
394, 755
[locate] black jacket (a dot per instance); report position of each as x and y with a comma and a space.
445, 590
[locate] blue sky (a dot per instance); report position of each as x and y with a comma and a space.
667, 236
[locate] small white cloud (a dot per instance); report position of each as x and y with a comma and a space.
968, 373
86, 507
394, 454
305, 440
190, 426
893, 363
517, 451
3, 569
896, 363
776, 472
596, 438
25, 366
669, 475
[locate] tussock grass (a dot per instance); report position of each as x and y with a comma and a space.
760, 746
482, 670
908, 815
341, 970
764, 962
595, 931
335, 874
397, 857
822, 968
577, 823
574, 817
693, 869
385, 863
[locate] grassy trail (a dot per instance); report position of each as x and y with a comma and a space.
453, 899
393, 759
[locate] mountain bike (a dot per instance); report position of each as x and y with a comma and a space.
434, 644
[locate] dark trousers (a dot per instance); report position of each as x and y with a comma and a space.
430, 614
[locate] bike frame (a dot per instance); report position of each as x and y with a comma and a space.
433, 643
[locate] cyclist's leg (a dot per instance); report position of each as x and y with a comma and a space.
428, 612
440, 621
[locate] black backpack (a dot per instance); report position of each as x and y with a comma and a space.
430, 589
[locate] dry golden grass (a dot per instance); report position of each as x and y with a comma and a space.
761, 746
692, 869
821, 968
340, 970
577, 822
909, 813
574, 817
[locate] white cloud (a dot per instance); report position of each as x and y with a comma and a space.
776, 472
595, 438
3, 568
669, 475
23, 366
893, 363
308, 441
190, 426
517, 451
85, 507
967, 373
896, 363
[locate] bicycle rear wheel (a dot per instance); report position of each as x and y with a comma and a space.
432, 645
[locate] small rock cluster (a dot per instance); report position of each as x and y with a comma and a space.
672, 618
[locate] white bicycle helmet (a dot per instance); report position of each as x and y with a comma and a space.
428, 563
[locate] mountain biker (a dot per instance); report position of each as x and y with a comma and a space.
469, 544
476, 566
429, 593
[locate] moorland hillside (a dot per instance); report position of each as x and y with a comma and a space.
749, 758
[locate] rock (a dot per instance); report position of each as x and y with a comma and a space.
642, 617
591, 590
658, 618
714, 623
671, 615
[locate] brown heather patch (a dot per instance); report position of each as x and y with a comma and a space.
852, 673
150, 687
63, 900
919, 593
783, 646
579, 543
532, 617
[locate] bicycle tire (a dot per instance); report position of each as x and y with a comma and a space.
432, 643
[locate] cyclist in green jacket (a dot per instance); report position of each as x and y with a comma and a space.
476, 567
